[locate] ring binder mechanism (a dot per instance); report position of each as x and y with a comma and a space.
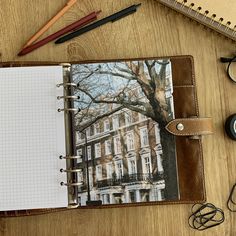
71, 172
68, 97
68, 109
71, 184
69, 157
203, 16
67, 84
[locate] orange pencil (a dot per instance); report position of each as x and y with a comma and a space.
69, 4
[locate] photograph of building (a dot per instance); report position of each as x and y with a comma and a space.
118, 141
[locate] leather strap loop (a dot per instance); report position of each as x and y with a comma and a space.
190, 126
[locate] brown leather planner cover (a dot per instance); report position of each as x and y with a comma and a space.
189, 150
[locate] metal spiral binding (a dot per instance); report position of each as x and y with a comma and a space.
205, 14
198, 11
189, 9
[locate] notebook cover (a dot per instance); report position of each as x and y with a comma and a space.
218, 16
189, 151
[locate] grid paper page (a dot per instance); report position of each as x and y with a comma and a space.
32, 136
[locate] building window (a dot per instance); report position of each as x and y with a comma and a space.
106, 125
132, 166
117, 145
90, 177
109, 167
157, 134
130, 141
87, 132
80, 176
96, 128
144, 137
128, 117
107, 147
119, 169
105, 198
146, 163
89, 152
79, 153
108, 199
78, 137
98, 196
145, 195
132, 196
99, 172
162, 194
159, 163
97, 150
115, 121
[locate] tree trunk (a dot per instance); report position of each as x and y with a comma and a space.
169, 164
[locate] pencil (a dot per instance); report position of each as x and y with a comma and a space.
69, 4
74, 26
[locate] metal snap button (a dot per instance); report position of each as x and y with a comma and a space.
180, 127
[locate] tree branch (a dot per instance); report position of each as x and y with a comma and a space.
116, 75
121, 101
147, 112
141, 79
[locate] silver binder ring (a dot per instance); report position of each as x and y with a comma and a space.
69, 157
68, 97
70, 171
71, 184
67, 84
68, 109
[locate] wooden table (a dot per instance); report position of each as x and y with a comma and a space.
152, 31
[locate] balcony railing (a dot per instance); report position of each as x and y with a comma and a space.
129, 178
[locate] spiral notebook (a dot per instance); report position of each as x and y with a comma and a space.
91, 134
217, 15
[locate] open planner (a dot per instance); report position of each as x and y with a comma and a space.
99, 134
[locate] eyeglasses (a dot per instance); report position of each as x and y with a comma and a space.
231, 68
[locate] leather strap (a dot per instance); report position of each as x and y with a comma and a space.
190, 126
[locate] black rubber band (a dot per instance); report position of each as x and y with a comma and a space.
230, 200
205, 216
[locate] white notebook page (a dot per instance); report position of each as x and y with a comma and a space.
32, 136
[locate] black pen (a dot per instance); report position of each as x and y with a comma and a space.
112, 18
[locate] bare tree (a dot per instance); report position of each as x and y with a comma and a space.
109, 84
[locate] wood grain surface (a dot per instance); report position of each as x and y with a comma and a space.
153, 31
